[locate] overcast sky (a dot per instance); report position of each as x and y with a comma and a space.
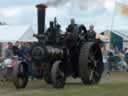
97, 12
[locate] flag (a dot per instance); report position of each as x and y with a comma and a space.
122, 9
116, 41
113, 39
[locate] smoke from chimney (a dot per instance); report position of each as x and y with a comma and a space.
56, 2
82, 4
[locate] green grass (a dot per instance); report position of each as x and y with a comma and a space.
115, 84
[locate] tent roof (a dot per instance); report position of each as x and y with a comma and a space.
122, 33
13, 33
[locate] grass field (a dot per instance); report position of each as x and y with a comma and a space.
115, 84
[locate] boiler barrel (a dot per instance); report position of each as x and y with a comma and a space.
54, 53
42, 54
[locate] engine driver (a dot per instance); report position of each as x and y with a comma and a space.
51, 33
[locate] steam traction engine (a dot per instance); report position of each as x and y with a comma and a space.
54, 61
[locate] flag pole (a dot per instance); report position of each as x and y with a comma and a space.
112, 23
113, 15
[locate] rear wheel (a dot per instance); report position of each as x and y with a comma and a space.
57, 75
20, 75
90, 63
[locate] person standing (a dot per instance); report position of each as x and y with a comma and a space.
21, 50
73, 28
8, 51
15, 49
51, 33
71, 37
58, 34
91, 33
7, 61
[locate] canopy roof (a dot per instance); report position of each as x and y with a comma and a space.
122, 33
13, 33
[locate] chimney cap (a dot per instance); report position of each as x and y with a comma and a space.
41, 6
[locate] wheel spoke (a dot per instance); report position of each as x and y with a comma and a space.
91, 75
95, 52
61, 73
96, 74
21, 74
93, 62
91, 59
21, 69
20, 80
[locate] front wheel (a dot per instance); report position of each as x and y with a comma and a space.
20, 75
57, 75
47, 76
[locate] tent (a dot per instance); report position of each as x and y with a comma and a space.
117, 40
13, 33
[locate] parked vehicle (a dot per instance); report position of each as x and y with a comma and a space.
55, 61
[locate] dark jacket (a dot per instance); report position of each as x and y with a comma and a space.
15, 50
91, 35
